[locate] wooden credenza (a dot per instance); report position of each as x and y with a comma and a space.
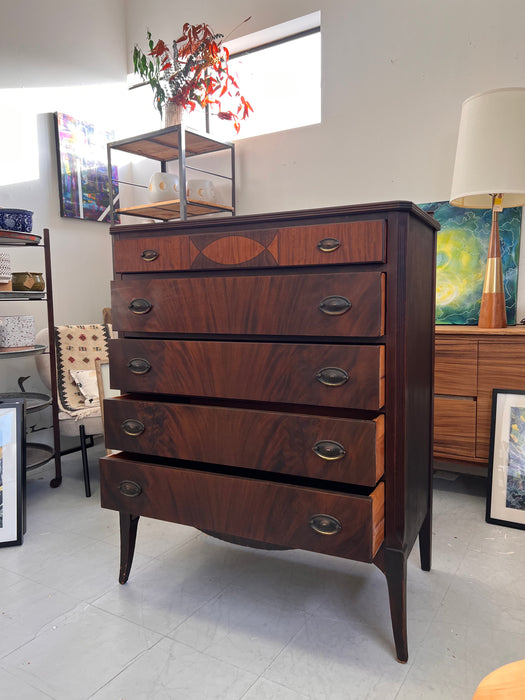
277, 381
470, 363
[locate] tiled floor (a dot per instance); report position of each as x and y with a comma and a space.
201, 619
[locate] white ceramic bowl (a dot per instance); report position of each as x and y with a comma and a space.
163, 187
201, 190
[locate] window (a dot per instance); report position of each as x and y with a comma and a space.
279, 72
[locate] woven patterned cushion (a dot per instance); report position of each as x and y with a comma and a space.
77, 348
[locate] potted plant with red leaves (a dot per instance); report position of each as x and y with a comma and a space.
194, 71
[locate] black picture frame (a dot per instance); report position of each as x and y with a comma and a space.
506, 468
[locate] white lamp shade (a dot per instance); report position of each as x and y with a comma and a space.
490, 155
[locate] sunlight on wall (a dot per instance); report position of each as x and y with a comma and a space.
21, 119
18, 145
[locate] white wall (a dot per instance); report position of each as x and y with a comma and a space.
69, 56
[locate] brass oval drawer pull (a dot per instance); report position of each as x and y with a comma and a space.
132, 427
140, 306
328, 245
335, 305
149, 255
325, 524
329, 450
332, 376
138, 365
130, 489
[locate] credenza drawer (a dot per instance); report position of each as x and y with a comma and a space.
456, 368
349, 376
337, 449
281, 514
336, 304
455, 427
321, 244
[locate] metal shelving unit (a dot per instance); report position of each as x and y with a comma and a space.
174, 143
37, 454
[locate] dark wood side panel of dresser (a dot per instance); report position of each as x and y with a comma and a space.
410, 352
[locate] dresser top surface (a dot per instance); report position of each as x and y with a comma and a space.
282, 218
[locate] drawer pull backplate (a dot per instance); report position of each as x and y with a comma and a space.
130, 489
132, 427
140, 306
328, 245
332, 376
335, 306
325, 524
138, 365
329, 450
149, 255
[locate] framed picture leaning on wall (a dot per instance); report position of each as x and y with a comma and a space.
12, 472
83, 169
506, 473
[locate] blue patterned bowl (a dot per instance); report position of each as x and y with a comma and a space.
16, 220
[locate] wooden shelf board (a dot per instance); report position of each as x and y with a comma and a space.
164, 144
171, 209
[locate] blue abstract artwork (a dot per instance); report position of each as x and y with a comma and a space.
462, 246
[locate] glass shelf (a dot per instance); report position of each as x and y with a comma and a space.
37, 454
33, 401
18, 238
21, 295
18, 352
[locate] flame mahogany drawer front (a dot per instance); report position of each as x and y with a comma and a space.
320, 375
337, 304
325, 244
338, 449
261, 510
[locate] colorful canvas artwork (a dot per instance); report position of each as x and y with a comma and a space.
515, 497
83, 172
462, 246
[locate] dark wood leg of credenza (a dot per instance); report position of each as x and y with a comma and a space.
128, 537
395, 570
425, 541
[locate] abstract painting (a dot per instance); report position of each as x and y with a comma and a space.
83, 170
515, 497
506, 492
462, 246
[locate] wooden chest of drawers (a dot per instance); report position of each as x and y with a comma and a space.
276, 373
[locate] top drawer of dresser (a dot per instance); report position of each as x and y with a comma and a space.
320, 244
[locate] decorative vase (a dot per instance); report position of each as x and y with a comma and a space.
163, 187
173, 114
28, 282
